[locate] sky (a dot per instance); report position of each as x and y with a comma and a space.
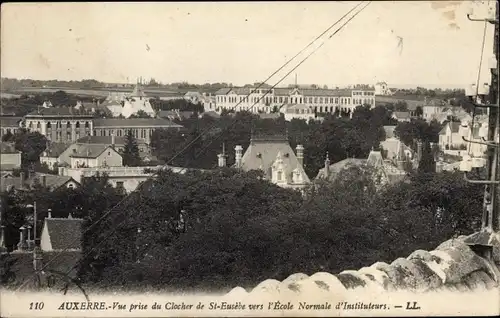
404, 43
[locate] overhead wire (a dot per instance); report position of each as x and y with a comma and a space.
194, 140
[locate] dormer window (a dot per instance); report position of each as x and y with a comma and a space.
259, 155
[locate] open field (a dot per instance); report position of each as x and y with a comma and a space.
98, 92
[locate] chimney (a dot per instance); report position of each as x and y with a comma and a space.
23, 179
222, 157
21, 246
238, 156
300, 154
113, 141
49, 216
327, 166
44, 181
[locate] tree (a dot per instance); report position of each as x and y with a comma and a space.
31, 145
427, 163
8, 136
130, 153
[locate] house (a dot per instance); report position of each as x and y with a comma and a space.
452, 134
62, 234
95, 155
194, 97
10, 158
401, 116
274, 156
118, 143
10, 124
51, 156
297, 111
175, 114
52, 182
384, 172
381, 88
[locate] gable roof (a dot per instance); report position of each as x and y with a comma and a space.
9, 121
104, 140
454, 126
52, 181
55, 149
402, 115
65, 234
89, 150
336, 168
263, 151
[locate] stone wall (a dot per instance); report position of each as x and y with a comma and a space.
451, 266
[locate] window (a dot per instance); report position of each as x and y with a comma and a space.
77, 124
280, 175
119, 184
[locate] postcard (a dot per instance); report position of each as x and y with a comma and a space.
256, 159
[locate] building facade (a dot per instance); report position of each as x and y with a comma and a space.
274, 156
10, 124
94, 156
142, 128
269, 100
60, 124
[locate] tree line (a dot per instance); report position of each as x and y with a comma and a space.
212, 230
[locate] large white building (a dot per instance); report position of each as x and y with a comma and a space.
127, 105
270, 100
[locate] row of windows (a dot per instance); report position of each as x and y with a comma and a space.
363, 93
287, 99
137, 133
58, 136
58, 124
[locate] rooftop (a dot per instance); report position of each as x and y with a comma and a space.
55, 149
9, 121
58, 112
134, 122
89, 150
63, 231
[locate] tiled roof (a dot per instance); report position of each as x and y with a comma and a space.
401, 115
88, 150
55, 149
337, 167
52, 181
59, 112
453, 265
262, 153
455, 127
389, 131
7, 147
103, 140
63, 233
134, 122
9, 121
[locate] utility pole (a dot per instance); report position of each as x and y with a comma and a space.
482, 242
